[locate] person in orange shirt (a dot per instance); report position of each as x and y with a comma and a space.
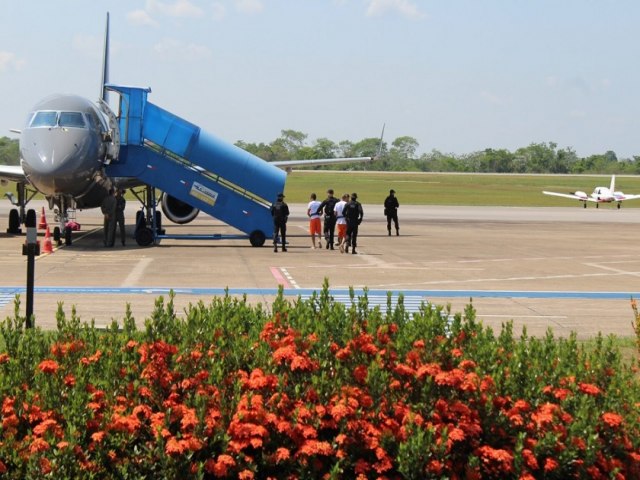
315, 225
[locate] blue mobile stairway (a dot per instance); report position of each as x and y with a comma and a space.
166, 152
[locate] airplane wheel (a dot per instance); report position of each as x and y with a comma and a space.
618, 206
144, 236
585, 204
159, 230
56, 235
257, 238
67, 236
14, 222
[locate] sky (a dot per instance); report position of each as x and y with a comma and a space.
457, 75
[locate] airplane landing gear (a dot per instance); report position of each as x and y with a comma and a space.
67, 236
144, 236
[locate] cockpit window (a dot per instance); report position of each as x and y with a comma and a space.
44, 119
71, 119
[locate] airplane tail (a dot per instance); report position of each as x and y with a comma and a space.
612, 188
105, 63
380, 145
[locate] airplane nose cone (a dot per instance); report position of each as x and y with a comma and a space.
54, 158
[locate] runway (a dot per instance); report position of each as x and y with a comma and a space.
569, 269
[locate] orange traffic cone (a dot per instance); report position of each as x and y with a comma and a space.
43, 221
47, 247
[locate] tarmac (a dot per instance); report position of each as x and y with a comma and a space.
567, 269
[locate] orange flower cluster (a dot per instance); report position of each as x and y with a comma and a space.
370, 404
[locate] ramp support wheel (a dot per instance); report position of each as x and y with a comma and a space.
257, 238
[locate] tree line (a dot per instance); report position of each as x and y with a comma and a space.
401, 155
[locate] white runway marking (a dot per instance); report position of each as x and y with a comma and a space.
6, 298
289, 277
411, 304
614, 270
137, 272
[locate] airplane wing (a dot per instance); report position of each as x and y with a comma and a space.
289, 164
568, 195
620, 198
12, 173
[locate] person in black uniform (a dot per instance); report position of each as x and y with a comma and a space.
121, 204
328, 205
109, 211
353, 214
391, 206
280, 214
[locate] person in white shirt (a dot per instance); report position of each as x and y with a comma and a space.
341, 222
315, 225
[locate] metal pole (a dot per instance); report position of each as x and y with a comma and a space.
31, 248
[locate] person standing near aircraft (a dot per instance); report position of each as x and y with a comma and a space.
314, 220
327, 206
353, 214
121, 203
280, 214
341, 222
391, 206
109, 211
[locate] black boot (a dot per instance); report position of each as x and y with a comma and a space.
275, 248
389, 232
353, 252
397, 233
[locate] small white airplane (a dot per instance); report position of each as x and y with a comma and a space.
599, 195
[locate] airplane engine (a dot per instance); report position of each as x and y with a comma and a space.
176, 210
580, 194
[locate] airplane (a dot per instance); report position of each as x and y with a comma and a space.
599, 195
66, 144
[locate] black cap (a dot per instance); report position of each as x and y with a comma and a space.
354, 195
330, 191
281, 195
392, 191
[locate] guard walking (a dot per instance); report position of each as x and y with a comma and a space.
327, 206
353, 214
280, 214
391, 206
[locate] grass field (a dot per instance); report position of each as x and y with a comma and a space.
453, 189
415, 188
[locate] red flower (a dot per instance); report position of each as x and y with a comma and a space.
315, 447
174, 447
282, 454
612, 419
39, 445
590, 389
530, 459
220, 468
48, 366
550, 464
360, 374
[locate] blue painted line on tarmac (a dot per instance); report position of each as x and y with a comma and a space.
305, 292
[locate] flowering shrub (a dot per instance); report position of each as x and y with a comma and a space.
311, 389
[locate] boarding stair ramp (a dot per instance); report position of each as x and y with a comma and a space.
171, 154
